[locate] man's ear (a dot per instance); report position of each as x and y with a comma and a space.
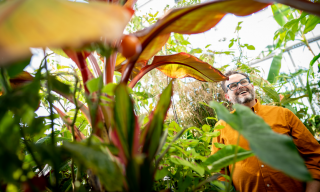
227, 96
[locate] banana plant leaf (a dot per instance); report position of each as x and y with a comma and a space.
56, 23
181, 65
188, 20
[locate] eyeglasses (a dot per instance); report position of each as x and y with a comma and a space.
243, 82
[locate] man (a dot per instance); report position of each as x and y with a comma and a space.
252, 175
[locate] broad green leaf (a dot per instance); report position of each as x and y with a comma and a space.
93, 84
192, 165
206, 128
125, 122
190, 142
154, 129
250, 47
213, 134
280, 13
226, 156
82, 23
271, 93
218, 127
258, 133
274, 68
17, 68
101, 163
175, 125
189, 20
289, 100
58, 85
219, 145
181, 65
310, 66
312, 22
160, 174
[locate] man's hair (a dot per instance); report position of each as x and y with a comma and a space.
229, 73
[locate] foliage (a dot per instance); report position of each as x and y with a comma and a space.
94, 136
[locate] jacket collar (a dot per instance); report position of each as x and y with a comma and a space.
256, 107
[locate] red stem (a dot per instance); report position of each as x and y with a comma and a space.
84, 70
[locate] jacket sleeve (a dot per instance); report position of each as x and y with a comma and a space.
214, 149
307, 145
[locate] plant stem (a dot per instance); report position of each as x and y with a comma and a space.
49, 88
29, 148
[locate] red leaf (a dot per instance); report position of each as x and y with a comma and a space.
188, 20
181, 65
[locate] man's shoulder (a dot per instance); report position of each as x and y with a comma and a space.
273, 108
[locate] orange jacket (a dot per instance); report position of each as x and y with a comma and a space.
251, 174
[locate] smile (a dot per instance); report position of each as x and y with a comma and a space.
243, 92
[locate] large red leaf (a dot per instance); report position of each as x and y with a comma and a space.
182, 65
188, 20
56, 23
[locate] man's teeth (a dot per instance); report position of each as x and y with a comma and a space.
242, 92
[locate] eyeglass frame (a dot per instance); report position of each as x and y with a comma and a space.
238, 83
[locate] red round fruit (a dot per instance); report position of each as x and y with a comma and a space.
130, 46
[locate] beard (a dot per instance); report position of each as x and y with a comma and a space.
245, 99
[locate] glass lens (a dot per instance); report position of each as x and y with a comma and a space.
244, 82
233, 86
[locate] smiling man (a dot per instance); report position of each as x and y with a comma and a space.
252, 175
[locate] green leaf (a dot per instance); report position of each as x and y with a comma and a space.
175, 125
58, 85
17, 67
271, 93
100, 163
311, 23
160, 174
219, 145
155, 126
192, 165
125, 120
280, 12
218, 127
290, 36
258, 133
250, 47
208, 45
213, 134
310, 67
285, 100
226, 156
197, 50
59, 52
109, 89
206, 128
274, 68
93, 84
231, 44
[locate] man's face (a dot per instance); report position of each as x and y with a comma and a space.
242, 94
